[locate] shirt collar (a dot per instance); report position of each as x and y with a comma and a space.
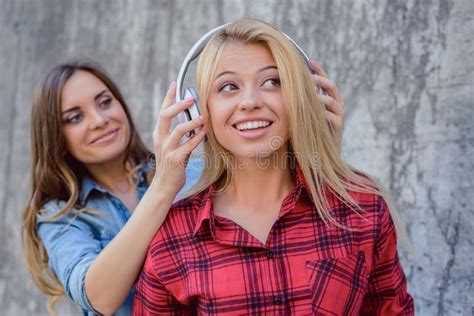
205, 206
88, 184
300, 179
205, 210
299, 193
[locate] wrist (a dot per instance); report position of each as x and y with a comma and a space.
162, 188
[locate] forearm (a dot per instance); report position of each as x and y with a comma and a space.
113, 273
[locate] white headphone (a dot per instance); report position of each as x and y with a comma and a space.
182, 93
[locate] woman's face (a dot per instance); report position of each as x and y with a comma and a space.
246, 105
95, 125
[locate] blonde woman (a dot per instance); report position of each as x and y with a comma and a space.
278, 222
95, 202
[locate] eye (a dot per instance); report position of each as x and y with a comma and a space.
271, 82
76, 118
228, 87
105, 103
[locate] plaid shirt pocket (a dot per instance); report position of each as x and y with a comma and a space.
338, 285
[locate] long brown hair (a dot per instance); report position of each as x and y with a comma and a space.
311, 140
55, 173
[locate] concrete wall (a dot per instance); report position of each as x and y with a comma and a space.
405, 69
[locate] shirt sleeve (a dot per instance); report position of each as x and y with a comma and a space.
71, 249
151, 296
387, 290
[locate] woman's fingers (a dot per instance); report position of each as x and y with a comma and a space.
334, 120
189, 146
171, 156
328, 85
168, 114
334, 113
332, 105
175, 109
179, 157
168, 100
182, 129
321, 79
335, 123
169, 97
318, 69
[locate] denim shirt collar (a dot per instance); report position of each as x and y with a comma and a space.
88, 185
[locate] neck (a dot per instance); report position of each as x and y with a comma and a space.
111, 175
261, 183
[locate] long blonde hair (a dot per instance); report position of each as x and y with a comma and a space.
56, 174
310, 134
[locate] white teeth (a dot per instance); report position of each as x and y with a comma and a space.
252, 125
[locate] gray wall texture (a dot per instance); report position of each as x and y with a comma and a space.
405, 69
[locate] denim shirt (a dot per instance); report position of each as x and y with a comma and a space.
74, 240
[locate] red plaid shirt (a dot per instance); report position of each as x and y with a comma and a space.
202, 263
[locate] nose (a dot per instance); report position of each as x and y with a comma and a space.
249, 101
98, 119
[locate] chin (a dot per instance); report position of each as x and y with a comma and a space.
261, 153
105, 156
265, 157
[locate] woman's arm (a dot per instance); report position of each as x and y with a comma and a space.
112, 275
71, 249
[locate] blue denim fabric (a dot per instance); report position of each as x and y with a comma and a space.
74, 240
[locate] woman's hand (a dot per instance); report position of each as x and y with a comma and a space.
332, 101
171, 154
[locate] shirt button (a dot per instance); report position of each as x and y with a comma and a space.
269, 255
277, 300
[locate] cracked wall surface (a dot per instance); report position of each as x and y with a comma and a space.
405, 70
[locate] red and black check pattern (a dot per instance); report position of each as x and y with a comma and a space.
199, 263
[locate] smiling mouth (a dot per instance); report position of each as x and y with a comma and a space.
253, 125
105, 137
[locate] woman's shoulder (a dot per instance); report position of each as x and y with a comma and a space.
371, 201
51, 208
57, 210
364, 196
182, 217
188, 203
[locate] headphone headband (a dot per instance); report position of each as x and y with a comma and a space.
190, 56
198, 48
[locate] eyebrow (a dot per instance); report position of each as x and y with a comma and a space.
233, 72
74, 108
